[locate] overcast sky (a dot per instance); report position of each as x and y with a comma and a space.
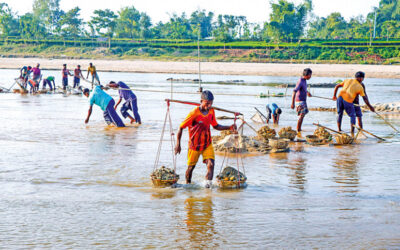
160, 10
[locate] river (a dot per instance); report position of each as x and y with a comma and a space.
67, 184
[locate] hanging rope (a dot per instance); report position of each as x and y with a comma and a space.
172, 137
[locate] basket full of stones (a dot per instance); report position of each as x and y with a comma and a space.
164, 177
343, 139
287, 133
265, 133
231, 178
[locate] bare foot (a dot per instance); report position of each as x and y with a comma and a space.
132, 121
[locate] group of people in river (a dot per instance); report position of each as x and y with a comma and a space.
33, 76
348, 100
201, 118
99, 97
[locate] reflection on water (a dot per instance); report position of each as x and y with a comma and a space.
346, 164
200, 220
298, 166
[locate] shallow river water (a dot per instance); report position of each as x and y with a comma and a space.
65, 184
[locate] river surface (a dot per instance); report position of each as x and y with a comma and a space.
65, 184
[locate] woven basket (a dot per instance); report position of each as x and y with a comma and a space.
163, 183
278, 143
315, 140
342, 140
231, 184
288, 135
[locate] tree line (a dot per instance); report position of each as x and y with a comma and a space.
287, 22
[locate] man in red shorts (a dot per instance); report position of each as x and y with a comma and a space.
199, 121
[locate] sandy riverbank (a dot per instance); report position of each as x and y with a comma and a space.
222, 68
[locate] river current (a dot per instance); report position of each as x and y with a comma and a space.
67, 184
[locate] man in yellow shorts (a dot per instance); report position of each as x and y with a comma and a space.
200, 143
92, 70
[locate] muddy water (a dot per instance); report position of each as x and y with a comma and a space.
65, 184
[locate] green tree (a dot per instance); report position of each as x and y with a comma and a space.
221, 31
128, 23
336, 26
390, 29
200, 17
8, 23
145, 25
178, 27
30, 27
104, 22
48, 13
71, 24
288, 21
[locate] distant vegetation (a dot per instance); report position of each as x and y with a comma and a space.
292, 34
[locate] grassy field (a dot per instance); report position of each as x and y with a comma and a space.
360, 52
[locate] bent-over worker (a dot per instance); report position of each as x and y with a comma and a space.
274, 112
351, 89
106, 103
130, 101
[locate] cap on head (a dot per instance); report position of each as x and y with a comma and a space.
279, 111
29, 67
85, 90
360, 74
207, 95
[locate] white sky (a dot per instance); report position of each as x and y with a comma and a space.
160, 10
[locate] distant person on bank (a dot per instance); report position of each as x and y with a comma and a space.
299, 96
106, 103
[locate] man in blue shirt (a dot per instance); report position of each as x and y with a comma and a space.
106, 103
130, 101
273, 111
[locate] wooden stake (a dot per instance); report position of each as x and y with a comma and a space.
337, 132
388, 123
368, 133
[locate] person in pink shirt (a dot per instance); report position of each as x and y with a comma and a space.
65, 72
36, 76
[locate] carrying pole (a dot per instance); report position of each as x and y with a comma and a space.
198, 104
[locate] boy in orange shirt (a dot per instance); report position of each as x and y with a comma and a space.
199, 121
352, 88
